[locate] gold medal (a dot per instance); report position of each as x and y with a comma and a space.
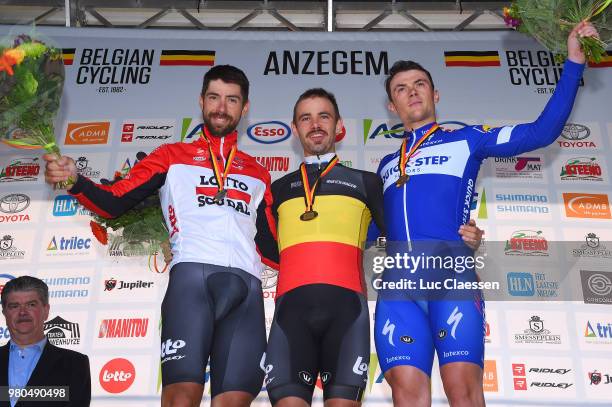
405, 156
309, 193
402, 180
309, 215
220, 196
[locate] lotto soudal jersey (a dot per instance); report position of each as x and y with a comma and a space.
436, 199
201, 229
328, 248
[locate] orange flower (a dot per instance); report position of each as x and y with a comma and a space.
9, 58
99, 232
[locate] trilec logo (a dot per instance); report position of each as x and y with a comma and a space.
269, 132
87, 133
581, 205
117, 375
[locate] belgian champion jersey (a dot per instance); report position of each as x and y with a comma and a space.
328, 248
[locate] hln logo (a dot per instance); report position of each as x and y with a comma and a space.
521, 284
65, 205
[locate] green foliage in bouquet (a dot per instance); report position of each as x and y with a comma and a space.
141, 225
31, 85
550, 22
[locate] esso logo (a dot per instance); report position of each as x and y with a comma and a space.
269, 132
341, 135
117, 375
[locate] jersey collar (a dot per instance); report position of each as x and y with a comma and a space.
422, 130
319, 159
219, 144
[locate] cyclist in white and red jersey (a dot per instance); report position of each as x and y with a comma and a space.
216, 201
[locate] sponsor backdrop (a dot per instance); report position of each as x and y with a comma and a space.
129, 91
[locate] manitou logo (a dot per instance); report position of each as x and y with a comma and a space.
117, 375
124, 328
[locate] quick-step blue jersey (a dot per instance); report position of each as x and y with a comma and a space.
436, 199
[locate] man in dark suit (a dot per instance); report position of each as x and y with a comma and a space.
29, 359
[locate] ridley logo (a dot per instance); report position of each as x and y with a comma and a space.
117, 375
269, 132
87, 133
582, 205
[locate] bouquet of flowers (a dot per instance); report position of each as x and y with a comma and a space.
31, 85
142, 226
550, 21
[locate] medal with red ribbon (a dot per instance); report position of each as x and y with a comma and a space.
220, 176
404, 158
309, 213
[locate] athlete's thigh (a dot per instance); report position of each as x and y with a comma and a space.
239, 339
345, 348
292, 352
402, 335
185, 346
458, 328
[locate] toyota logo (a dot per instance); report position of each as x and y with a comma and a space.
269, 278
573, 131
14, 203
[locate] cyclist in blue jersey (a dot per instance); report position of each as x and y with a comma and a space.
434, 174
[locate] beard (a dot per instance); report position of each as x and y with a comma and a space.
220, 131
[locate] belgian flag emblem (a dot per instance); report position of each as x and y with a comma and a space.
181, 57
606, 61
68, 55
471, 58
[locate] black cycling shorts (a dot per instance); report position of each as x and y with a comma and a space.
217, 312
318, 330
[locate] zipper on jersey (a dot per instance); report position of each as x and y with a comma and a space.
221, 150
408, 240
